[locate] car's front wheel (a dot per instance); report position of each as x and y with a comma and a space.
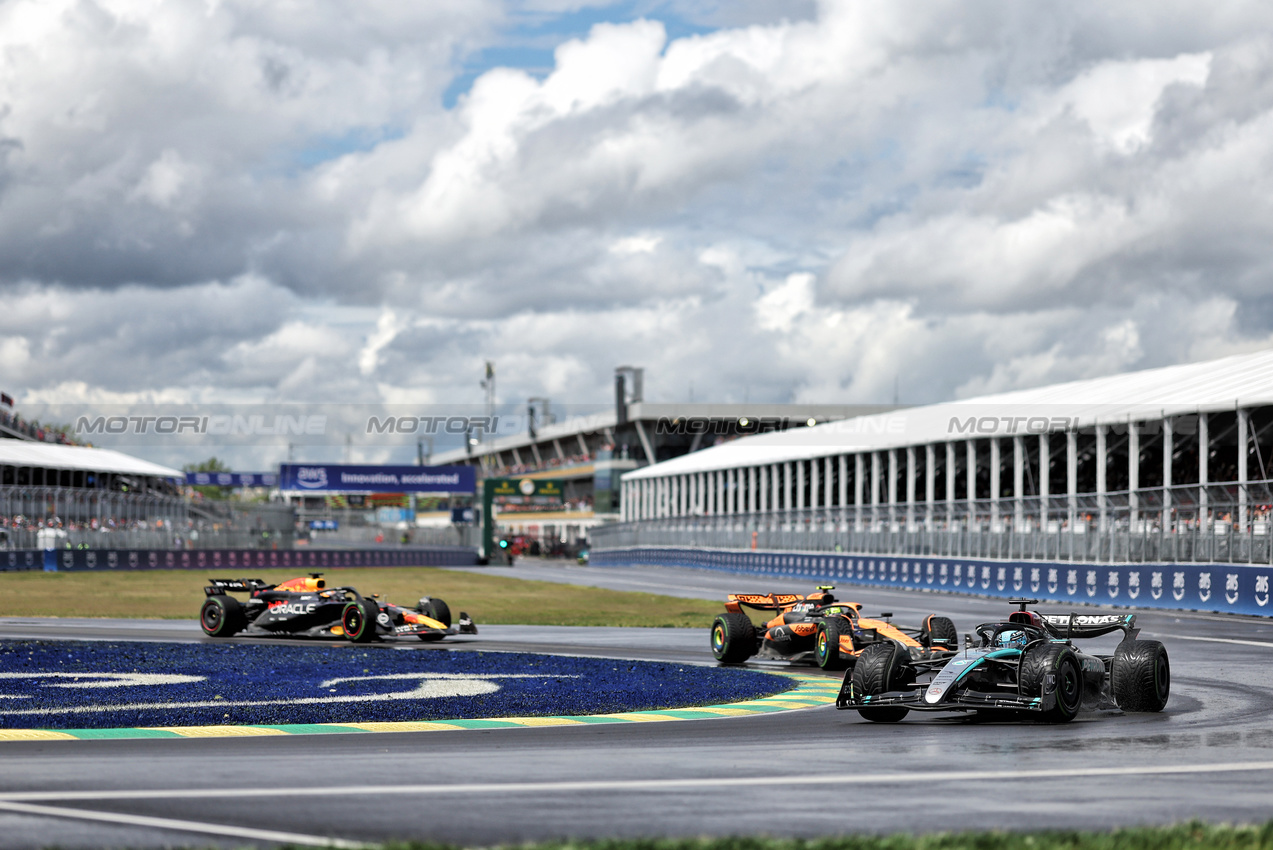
881, 668
826, 647
1053, 668
939, 633
436, 609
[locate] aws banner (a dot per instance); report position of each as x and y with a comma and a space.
1236, 588
343, 478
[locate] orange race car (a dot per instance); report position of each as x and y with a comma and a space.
818, 627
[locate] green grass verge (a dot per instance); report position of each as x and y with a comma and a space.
1190, 836
178, 594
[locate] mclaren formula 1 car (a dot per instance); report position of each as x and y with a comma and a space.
816, 627
307, 607
1026, 666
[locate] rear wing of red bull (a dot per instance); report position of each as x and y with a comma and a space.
234, 585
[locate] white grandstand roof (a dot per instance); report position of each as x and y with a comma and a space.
52, 456
1243, 380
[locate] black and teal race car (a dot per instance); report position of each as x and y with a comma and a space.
308, 607
1026, 666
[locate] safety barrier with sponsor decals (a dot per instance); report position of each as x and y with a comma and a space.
53, 560
1235, 588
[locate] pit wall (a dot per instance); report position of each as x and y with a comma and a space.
68, 560
1228, 588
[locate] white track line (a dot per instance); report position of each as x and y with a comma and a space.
1264, 644
641, 784
185, 826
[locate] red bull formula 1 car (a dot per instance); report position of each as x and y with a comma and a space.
818, 628
1026, 666
307, 607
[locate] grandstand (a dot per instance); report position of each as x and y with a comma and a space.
589, 453
59, 495
1168, 464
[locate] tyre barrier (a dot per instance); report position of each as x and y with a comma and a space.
1228, 588
68, 560
108, 688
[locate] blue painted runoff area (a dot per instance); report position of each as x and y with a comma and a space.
120, 684
68, 560
1231, 588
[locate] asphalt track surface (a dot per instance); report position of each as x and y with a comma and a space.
805, 773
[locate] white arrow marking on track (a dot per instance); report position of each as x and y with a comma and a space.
429, 686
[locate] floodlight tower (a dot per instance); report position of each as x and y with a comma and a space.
488, 384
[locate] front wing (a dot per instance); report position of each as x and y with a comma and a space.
963, 699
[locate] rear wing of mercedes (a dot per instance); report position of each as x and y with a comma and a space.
1090, 625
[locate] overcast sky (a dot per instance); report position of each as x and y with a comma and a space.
259, 201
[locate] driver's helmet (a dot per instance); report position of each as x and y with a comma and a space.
1011, 638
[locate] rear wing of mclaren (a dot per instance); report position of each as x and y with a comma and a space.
762, 601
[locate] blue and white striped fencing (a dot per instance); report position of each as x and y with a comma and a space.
1232, 588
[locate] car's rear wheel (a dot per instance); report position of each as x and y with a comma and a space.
359, 620
826, 647
733, 638
879, 669
1053, 668
222, 616
939, 633
1140, 675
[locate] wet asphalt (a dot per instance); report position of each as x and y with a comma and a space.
809, 773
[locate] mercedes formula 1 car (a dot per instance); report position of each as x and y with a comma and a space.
1027, 666
816, 627
307, 607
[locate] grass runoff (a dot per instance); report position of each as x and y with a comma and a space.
178, 594
1188, 836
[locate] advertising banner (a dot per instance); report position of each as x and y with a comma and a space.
232, 479
344, 478
59, 560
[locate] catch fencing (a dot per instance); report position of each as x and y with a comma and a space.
1186, 524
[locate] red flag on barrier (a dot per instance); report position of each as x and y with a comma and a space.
6, 399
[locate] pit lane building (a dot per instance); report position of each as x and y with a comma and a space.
1164, 464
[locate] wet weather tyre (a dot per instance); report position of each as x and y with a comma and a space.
359, 621
879, 669
939, 633
1053, 668
1140, 675
222, 616
826, 647
440, 611
733, 638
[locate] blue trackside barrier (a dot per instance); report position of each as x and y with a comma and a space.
54, 560
1231, 588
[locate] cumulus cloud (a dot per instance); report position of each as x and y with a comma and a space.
770, 201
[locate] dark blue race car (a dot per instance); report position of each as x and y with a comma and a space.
1026, 666
308, 607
